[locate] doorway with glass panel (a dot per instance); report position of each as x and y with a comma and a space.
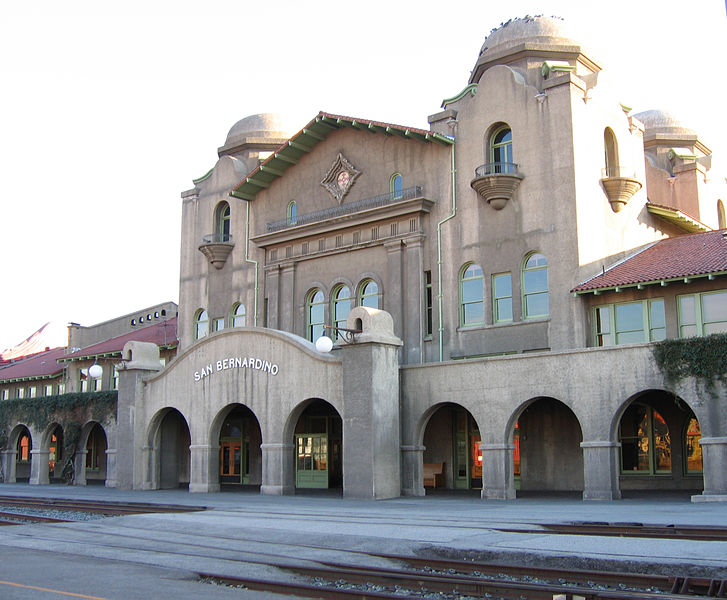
240, 457
318, 447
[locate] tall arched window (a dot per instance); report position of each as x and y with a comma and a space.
24, 448
610, 146
471, 295
238, 315
341, 305
201, 324
645, 441
369, 294
500, 150
222, 222
536, 299
315, 314
721, 219
396, 186
292, 213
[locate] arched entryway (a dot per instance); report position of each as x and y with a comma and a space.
170, 453
56, 458
452, 455
240, 458
318, 447
659, 437
18, 470
94, 461
547, 453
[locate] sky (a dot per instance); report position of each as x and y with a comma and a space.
109, 110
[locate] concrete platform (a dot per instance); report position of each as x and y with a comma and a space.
244, 532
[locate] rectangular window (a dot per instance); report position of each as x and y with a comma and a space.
502, 297
20, 393
702, 314
83, 380
218, 324
32, 391
3, 394
630, 322
61, 388
47, 390
428, 305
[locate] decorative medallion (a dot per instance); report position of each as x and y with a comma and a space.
340, 178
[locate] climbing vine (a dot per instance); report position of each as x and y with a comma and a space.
704, 358
68, 410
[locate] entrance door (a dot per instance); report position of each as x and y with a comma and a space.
467, 453
311, 465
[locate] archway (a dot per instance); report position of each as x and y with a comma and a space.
659, 436
95, 456
54, 443
171, 452
240, 458
19, 468
318, 447
547, 456
452, 456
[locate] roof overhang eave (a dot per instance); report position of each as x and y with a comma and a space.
640, 284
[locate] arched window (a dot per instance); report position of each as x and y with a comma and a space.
238, 315
536, 299
645, 441
471, 295
315, 314
292, 213
369, 294
201, 324
395, 186
24, 448
610, 146
692, 449
222, 222
721, 219
500, 150
341, 305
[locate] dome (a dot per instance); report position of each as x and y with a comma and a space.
265, 125
545, 30
661, 121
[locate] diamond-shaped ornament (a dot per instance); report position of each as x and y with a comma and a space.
340, 178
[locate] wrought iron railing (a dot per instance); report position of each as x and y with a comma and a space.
617, 171
347, 209
496, 168
217, 238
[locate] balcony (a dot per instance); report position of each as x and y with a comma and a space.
620, 185
217, 247
496, 183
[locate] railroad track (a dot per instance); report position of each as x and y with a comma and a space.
674, 532
105, 508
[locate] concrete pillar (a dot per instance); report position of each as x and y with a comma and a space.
79, 467
288, 298
412, 480
371, 430
601, 470
278, 469
394, 291
39, 474
150, 468
111, 468
714, 459
203, 476
498, 480
272, 293
413, 292
9, 462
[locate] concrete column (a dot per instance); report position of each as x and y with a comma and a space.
202, 476
278, 469
111, 467
287, 298
272, 293
498, 480
39, 474
413, 292
9, 461
714, 459
150, 469
412, 477
79, 467
371, 429
600, 470
394, 291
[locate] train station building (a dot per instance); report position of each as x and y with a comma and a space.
493, 287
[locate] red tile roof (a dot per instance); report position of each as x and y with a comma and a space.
696, 255
42, 365
163, 334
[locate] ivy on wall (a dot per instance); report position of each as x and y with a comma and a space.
704, 358
68, 410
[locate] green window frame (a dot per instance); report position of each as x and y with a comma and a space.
502, 297
341, 306
535, 294
369, 294
222, 225
702, 314
238, 315
629, 322
428, 305
201, 324
315, 314
500, 150
471, 295
396, 186
292, 213
218, 323
645, 441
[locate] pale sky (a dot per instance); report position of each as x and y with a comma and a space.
109, 110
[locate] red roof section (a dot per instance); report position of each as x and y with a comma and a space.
161, 334
693, 255
44, 364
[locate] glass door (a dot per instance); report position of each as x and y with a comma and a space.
311, 465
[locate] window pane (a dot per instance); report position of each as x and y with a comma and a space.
535, 281
630, 317
472, 291
537, 304
714, 307
693, 452
688, 331
630, 337
504, 309
657, 314
503, 285
473, 313
687, 310
662, 443
536, 260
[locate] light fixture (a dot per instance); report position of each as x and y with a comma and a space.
95, 370
324, 344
